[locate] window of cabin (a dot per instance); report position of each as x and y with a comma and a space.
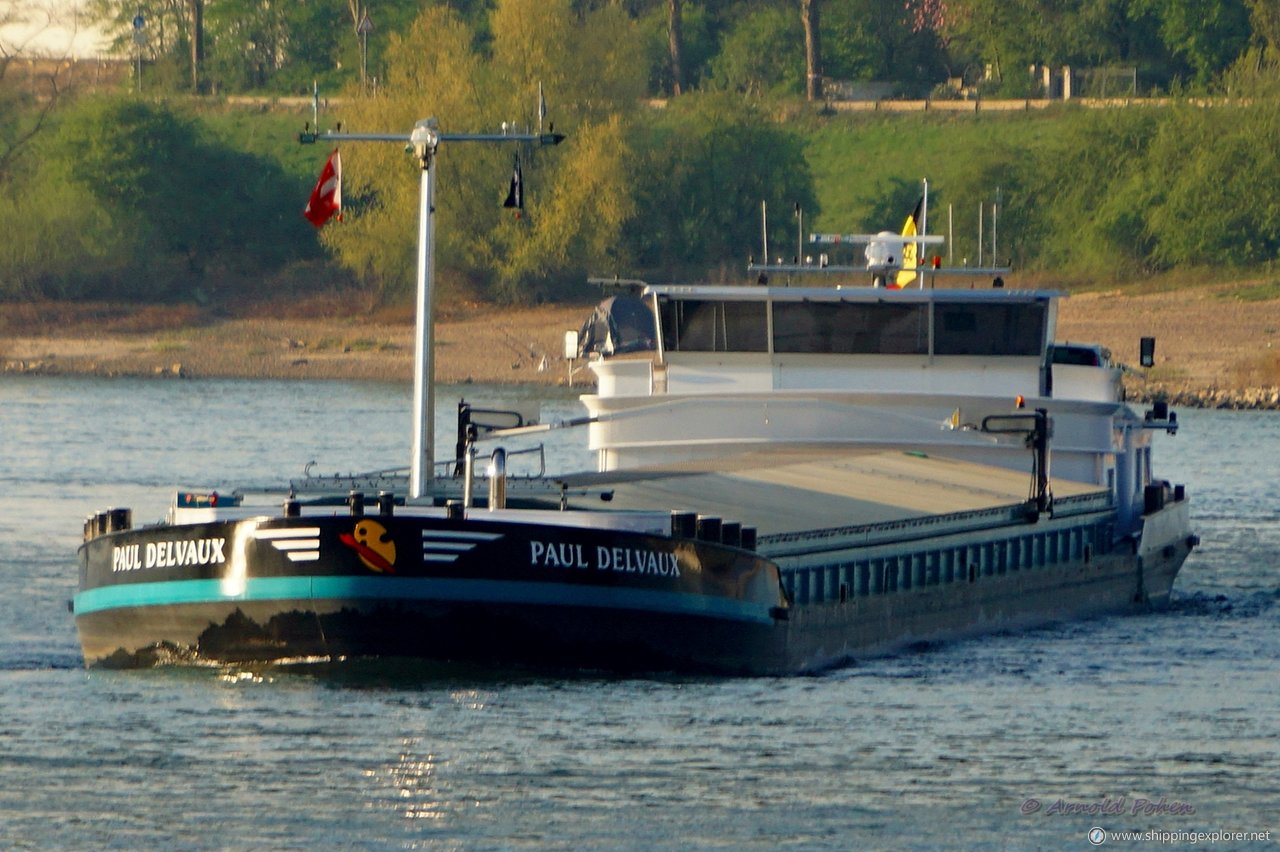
981, 329
854, 328
707, 326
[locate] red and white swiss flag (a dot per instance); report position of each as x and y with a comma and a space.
326, 198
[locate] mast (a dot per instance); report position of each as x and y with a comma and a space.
424, 142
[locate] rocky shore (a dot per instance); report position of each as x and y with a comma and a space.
1236, 399
1217, 346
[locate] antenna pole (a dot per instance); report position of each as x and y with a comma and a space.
994, 208
979, 234
921, 231
800, 236
993, 233
950, 235
764, 230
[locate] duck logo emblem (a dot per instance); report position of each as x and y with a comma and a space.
373, 544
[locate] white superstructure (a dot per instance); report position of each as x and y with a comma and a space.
749, 368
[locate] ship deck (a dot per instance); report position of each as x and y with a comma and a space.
796, 491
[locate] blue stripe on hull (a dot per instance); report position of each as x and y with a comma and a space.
412, 588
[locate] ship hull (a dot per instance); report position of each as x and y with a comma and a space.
876, 600
548, 595
552, 597
830, 635
495, 636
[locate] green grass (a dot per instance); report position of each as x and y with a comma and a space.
856, 159
272, 134
368, 344
1265, 291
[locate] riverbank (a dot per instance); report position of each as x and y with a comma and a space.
1217, 346
328, 338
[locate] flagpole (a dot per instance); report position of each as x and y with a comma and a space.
424, 142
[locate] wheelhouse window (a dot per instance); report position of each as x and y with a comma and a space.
855, 327
841, 328
980, 329
710, 326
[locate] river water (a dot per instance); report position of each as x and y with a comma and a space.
1012, 741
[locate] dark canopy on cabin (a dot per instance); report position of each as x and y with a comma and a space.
619, 324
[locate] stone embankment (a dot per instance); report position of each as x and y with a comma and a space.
1235, 399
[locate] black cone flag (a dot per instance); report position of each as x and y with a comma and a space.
515, 196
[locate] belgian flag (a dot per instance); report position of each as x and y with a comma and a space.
910, 261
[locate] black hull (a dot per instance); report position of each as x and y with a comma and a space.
546, 638
541, 595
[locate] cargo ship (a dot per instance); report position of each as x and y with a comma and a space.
788, 478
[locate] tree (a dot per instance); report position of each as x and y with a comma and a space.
871, 40
719, 159
580, 220
180, 204
853, 43
1098, 32
166, 32
249, 42
24, 113
675, 41
1208, 34
1098, 226
1004, 36
1218, 173
683, 36
1264, 15
234, 45
751, 60
812, 50
592, 68
197, 45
